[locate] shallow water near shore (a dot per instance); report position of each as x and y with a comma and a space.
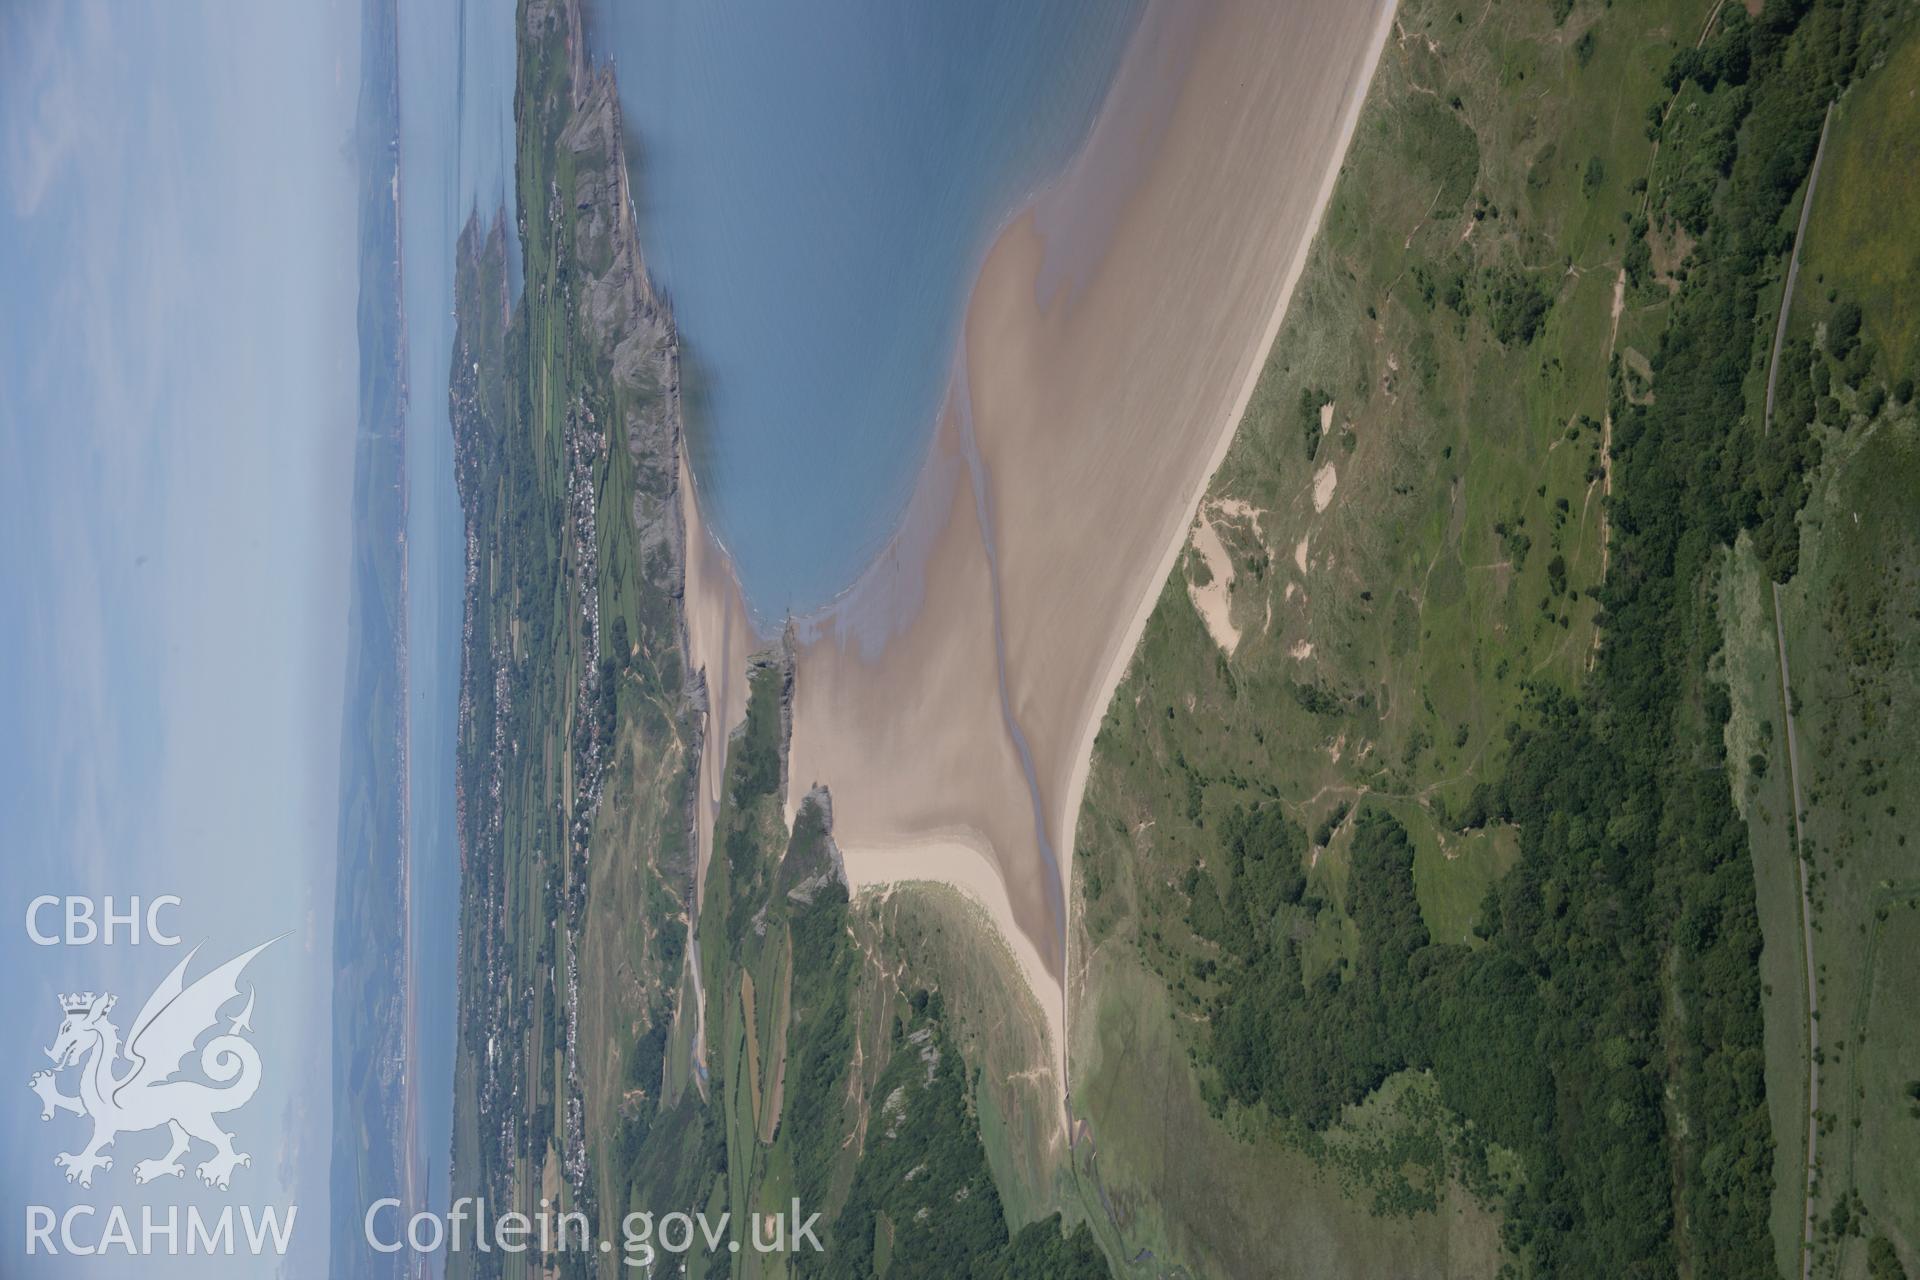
817, 186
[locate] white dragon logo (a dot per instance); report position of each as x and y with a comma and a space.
146, 1095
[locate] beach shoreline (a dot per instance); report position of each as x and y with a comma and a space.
1112, 340
1129, 638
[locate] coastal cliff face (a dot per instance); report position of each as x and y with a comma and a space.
622, 318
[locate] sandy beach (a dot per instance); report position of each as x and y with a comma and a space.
1111, 344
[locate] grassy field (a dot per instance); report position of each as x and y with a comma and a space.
1759, 777
1859, 238
1853, 639
1853, 646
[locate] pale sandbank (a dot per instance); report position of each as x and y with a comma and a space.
1111, 344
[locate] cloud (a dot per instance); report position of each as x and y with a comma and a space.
50, 69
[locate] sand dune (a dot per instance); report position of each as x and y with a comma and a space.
1111, 344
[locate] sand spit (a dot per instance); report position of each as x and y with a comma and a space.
1112, 343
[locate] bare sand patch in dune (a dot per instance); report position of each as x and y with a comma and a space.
1324, 482
1213, 600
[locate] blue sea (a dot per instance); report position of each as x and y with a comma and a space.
817, 185
457, 68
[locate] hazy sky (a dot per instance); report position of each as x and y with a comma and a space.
177, 401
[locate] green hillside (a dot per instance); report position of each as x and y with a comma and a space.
1435, 881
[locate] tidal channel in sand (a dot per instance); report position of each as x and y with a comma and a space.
1111, 343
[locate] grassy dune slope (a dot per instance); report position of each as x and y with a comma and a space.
1413, 509
1411, 892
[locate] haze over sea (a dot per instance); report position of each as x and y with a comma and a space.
177, 353
817, 187
456, 155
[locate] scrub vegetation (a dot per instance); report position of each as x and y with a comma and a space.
1455, 816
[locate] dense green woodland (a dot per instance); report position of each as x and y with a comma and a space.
1620, 955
